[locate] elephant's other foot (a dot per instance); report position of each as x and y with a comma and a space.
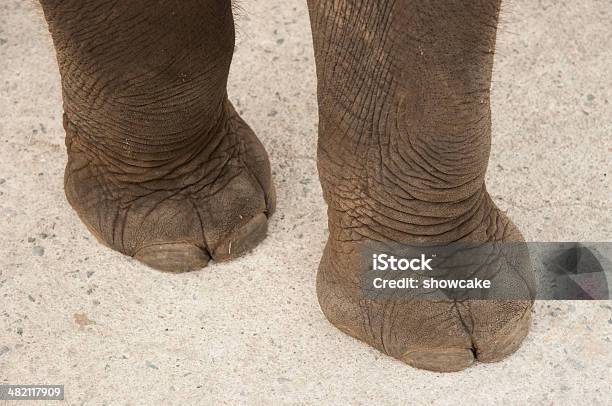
404, 142
199, 199
439, 335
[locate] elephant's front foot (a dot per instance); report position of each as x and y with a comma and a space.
432, 331
404, 141
177, 205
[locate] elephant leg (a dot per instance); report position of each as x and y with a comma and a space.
404, 140
160, 165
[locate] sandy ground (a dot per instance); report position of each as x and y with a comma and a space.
116, 332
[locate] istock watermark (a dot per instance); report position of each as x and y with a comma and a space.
385, 262
495, 270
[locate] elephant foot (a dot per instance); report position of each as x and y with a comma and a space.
202, 198
442, 335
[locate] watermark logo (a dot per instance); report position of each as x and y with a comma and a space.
489, 270
384, 262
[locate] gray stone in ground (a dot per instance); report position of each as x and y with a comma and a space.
38, 251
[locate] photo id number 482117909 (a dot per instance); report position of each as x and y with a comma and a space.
31, 392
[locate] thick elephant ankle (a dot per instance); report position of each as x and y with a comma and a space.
425, 325
160, 165
404, 141
210, 204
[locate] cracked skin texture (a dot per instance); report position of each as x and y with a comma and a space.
161, 167
404, 141
217, 208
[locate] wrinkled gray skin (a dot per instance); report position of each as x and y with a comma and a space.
162, 168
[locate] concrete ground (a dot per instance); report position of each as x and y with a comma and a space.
250, 332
